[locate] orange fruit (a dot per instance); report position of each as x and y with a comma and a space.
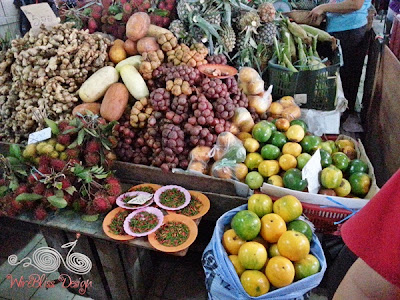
275, 180
241, 171
236, 264
282, 124
252, 255
272, 227
288, 208
292, 148
280, 271
232, 242
244, 135
251, 145
273, 250
276, 108
268, 168
295, 133
293, 245
255, 283
287, 161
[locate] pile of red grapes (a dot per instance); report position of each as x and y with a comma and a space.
180, 123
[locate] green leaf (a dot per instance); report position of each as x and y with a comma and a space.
81, 136
57, 201
90, 218
72, 130
28, 197
73, 145
84, 193
21, 172
75, 122
58, 185
70, 190
86, 176
53, 126
78, 169
3, 190
107, 147
101, 176
15, 151
91, 132
13, 184
118, 17
59, 194
13, 161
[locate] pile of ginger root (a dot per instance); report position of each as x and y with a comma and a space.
40, 76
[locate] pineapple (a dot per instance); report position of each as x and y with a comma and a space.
212, 16
266, 11
178, 28
185, 7
250, 21
228, 38
266, 33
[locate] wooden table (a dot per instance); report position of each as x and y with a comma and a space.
121, 269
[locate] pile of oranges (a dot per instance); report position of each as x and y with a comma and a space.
268, 245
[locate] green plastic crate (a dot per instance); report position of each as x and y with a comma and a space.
318, 85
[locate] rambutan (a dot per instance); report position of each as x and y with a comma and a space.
74, 161
3, 182
136, 3
125, 18
96, 8
92, 159
16, 205
23, 188
111, 20
62, 125
65, 183
112, 199
44, 161
57, 164
127, 8
69, 199
38, 188
32, 178
92, 25
40, 213
65, 139
101, 203
73, 153
48, 193
113, 186
92, 146
43, 170
67, 128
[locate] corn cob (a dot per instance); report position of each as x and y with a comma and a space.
323, 36
298, 31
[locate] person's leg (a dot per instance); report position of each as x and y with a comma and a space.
354, 45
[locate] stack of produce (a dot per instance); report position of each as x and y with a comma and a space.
277, 152
165, 106
46, 72
297, 50
70, 170
244, 32
112, 16
269, 246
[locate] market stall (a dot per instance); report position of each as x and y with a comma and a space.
110, 98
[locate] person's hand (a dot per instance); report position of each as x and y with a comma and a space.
316, 12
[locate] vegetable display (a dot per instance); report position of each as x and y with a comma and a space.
117, 224
192, 209
47, 71
172, 234
143, 222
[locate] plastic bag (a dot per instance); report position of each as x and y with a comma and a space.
230, 147
286, 108
223, 283
199, 158
243, 120
225, 169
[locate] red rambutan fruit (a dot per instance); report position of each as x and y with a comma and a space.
113, 186
92, 159
64, 139
57, 164
39, 188
40, 213
101, 203
23, 188
92, 146
44, 161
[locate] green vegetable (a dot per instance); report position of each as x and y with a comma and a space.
299, 32
289, 65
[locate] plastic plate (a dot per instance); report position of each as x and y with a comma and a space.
151, 210
203, 209
170, 187
107, 221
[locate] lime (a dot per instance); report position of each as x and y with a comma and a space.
253, 160
270, 152
262, 131
301, 123
301, 226
254, 180
302, 160
278, 139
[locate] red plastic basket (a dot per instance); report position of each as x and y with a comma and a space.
323, 218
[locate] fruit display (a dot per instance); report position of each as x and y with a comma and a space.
277, 152
43, 74
269, 246
244, 31
68, 170
112, 16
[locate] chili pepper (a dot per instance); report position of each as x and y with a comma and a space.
117, 224
192, 209
172, 234
172, 198
146, 189
143, 222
